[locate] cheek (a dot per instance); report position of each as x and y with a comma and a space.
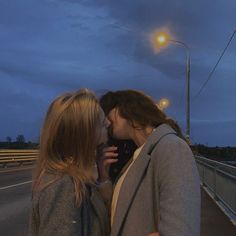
103, 137
120, 130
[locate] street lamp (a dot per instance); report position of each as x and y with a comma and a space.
163, 103
162, 39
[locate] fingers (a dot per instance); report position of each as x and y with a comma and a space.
106, 156
108, 162
110, 149
108, 153
154, 234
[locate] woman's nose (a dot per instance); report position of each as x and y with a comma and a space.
108, 123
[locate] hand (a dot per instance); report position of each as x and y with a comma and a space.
154, 234
105, 157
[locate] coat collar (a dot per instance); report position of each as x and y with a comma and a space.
135, 176
99, 208
150, 144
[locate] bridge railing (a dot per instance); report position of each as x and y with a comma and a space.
17, 157
220, 181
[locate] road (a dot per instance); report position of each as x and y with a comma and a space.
213, 220
15, 194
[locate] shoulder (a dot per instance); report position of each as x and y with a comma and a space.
172, 148
174, 158
172, 141
56, 183
55, 186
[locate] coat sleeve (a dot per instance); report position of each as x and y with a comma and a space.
58, 213
105, 189
178, 189
34, 219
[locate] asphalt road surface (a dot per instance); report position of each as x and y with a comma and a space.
15, 194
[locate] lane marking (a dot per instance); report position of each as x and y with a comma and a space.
15, 185
16, 169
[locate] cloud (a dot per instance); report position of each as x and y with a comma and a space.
52, 46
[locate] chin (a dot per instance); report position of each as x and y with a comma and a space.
103, 140
118, 136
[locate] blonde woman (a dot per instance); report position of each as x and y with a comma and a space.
65, 200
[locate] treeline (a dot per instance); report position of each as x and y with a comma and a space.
18, 143
216, 153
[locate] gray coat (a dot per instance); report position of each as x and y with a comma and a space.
54, 212
161, 191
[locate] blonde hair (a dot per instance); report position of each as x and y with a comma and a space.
68, 141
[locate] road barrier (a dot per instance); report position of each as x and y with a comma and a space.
220, 182
10, 158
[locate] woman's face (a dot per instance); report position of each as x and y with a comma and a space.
120, 127
105, 123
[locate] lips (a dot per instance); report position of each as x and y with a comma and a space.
110, 130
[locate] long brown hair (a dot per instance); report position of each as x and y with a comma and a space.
139, 109
68, 141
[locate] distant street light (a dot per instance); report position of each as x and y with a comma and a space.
163, 103
162, 39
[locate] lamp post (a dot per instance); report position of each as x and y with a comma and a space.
163, 103
163, 39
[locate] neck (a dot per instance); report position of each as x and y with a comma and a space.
140, 136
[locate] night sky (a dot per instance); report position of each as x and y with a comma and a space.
49, 47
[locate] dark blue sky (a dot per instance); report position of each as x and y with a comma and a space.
52, 46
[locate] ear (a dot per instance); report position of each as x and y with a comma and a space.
135, 125
114, 113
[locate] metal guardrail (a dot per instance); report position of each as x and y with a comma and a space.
13, 157
220, 181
